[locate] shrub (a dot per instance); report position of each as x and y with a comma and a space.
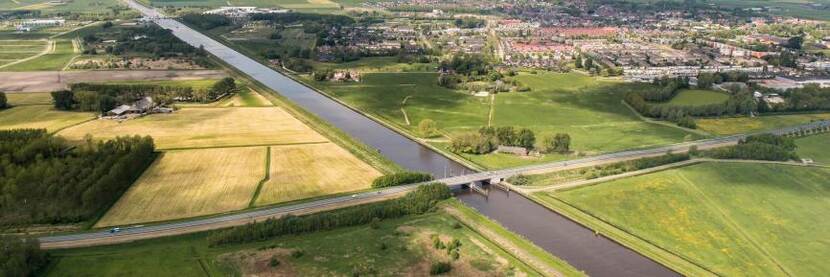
296, 254
472, 143
401, 178
440, 268
3, 101
21, 257
274, 262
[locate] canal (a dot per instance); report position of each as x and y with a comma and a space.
579, 246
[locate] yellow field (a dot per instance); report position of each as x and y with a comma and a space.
29, 98
206, 127
40, 116
304, 171
190, 183
737, 125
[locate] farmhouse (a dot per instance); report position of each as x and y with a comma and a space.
142, 106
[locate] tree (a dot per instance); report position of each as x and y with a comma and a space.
106, 103
63, 99
526, 138
427, 127
562, 143
3, 101
794, 42
578, 62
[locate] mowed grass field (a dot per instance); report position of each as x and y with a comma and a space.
206, 127
698, 97
816, 147
738, 125
731, 218
304, 171
191, 183
56, 59
14, 50
588, 109
40, 116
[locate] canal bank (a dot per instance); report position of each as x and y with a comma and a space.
596, 255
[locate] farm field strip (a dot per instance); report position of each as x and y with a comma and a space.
190, 183
759, 219
305, 171
40, 116
738, 125
206, 127
61, 52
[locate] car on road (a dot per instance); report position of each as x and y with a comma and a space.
115, 230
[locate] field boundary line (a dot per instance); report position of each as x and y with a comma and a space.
731, 223
264, 179
55, 132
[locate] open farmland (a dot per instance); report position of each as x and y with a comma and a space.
31, 98
815, 147
587, 109
737, 125
40, 116
206, 127
304, 171
731, 218
58, 56
15, 50
698, 97
191, 183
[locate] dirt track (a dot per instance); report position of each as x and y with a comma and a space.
46, 81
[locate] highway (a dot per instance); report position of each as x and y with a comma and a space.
380, 138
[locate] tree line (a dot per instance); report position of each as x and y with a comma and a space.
401, 178
488, 139
421, 200
4, 102
92, 97
45, 180
651, 103
811, 97
758, 147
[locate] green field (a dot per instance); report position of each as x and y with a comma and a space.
586, 108
815, 147
698, 97
738, 125
14, 50
87, 8
40, 116
55, 60
731, 218
795, 8
288, 4
338, 252
29, 98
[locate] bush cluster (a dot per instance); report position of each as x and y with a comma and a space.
21, 257
759, 147
401, 178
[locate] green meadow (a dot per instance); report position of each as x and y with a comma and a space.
40, 116
815, 147
698, 97
730, 218
588, 109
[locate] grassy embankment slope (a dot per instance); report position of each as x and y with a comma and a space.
397, 247
586, 108
730, 218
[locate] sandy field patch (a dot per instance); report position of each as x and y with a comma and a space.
190, 183
303, 171
206, 127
